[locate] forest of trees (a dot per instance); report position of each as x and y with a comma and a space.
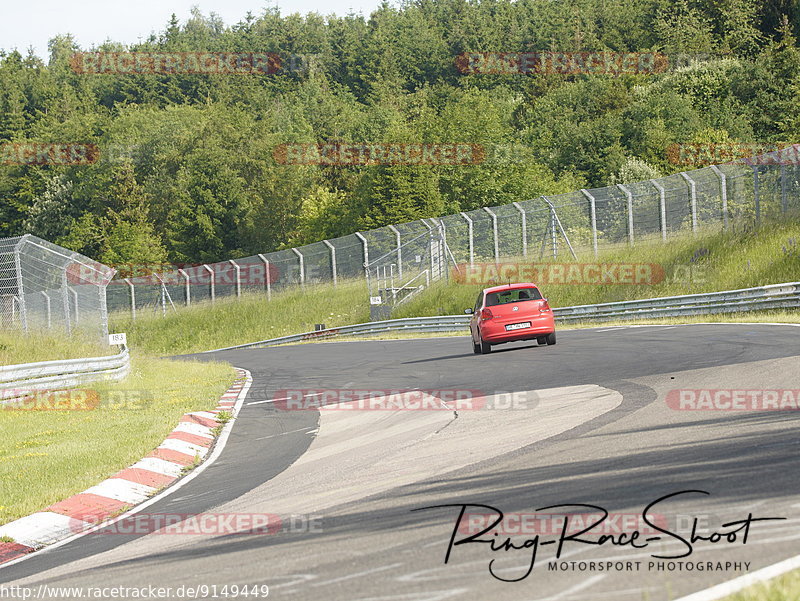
187, 172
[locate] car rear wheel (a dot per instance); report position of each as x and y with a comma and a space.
542, 340
476, 348
551, 338
486, 348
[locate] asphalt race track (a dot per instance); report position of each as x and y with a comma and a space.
592, 427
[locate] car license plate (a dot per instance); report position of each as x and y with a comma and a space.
518, 326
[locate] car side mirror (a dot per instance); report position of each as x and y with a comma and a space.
468, 311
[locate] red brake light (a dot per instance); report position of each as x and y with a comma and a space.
544, 306
486, 314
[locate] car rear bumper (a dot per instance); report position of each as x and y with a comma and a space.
496, 332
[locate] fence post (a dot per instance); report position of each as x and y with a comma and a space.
266, 275
593, 216
494, 231
693, 199
212, 289
23, 312
662, 204
75, 298
302, 266
554, 218
361, 237
523, 217
446, 249
429, 226
47, 308
437, 248
468, 219
238, 277
544, 234
187, 292
629, 198
783, 188
431, 242
65, 288
399, 250
723, 186
443, 229
757, 193
132, 290
332, 249
104, 308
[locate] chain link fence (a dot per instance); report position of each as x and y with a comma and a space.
45, 286
409, 261
580, 222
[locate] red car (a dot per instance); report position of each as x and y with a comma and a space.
508, 313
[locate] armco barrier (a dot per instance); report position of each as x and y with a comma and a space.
775, 296
55, 375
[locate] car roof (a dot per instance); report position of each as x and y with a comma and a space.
509, 287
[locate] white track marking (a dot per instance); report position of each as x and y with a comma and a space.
305, 396
181, 446
267, 401
39, 529
578, 587
284, 433
357, 575
192, 428
121, 490
203, 414
160, 466
298, 579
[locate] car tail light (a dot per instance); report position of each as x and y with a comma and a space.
544, 307
486, 314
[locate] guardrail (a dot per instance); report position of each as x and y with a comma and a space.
776, 296
17, 380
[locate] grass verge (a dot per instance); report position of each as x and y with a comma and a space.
232, 321
47, 346
48, 455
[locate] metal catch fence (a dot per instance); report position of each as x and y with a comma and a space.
45, 286
584, 221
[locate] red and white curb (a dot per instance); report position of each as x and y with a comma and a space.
188, 444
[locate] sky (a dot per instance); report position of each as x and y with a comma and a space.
24, 24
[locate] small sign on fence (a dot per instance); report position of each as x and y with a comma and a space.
117, 339
375, 300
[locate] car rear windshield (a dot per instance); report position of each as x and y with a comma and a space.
514, 295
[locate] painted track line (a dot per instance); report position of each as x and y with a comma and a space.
578, 587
